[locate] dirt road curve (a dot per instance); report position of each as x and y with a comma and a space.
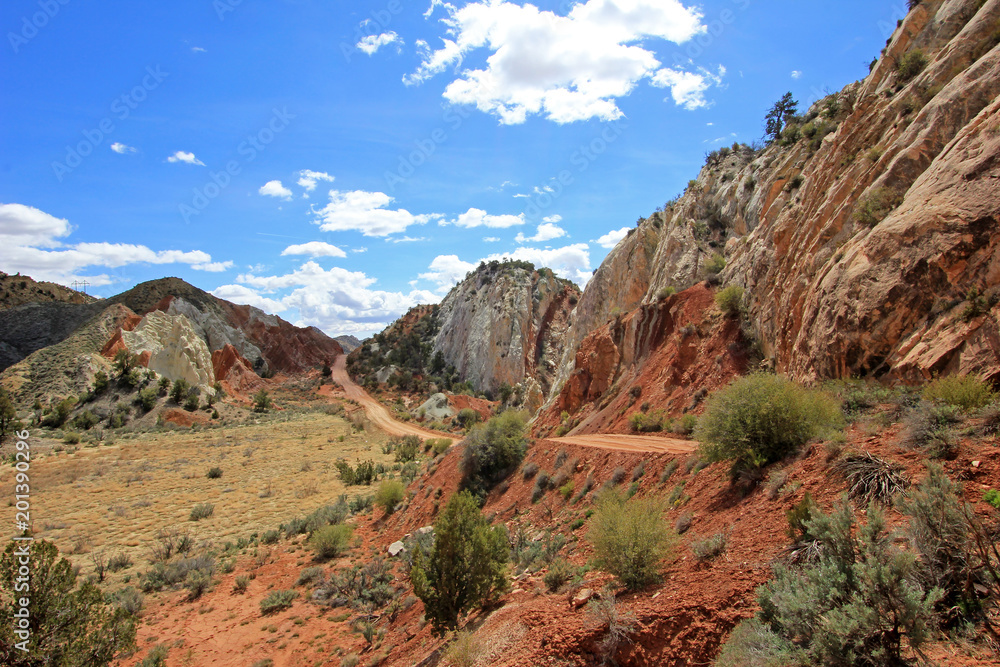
381, 417
377, 412
630, 443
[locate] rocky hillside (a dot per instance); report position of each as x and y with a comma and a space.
503, 325
18, 290
53, 350
864, 236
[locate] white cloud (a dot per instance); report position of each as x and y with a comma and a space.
198, 49
31, 241
545, 232
491, 239
372, 43
183, 156
406, 239
572, 262
552, 218
308, 178
475, 217
121, 148
688, 88
796, 74
611, 239
567, 68
275, 189
314, 249
366, 212
242, 295
446, 271
335, 300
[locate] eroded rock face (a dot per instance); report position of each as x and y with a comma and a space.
831, 292
234, 372
215, 330
505, 323
175, 350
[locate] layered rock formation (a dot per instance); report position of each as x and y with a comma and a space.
174, 350
865, 239
234, 372
505, 322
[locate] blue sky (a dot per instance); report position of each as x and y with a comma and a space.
338, 162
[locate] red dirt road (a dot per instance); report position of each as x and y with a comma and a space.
377, 412
630, 443
381, 417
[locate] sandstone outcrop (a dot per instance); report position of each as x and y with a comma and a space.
235, 373
504, 323
866, 240
175, 350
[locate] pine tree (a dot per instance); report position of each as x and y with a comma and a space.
467, 566
778, 116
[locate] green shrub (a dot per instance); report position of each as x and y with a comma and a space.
157, 656
730, 300
179, 391
197, 582
214, 472
566, 490
760, 419
85, 420
967, 392
438, 445
665, 292
853, 605
465, 568
406, 448
201, 511
309, 575
492, 451
467, 417
464, 650
992, 496
685, 425
59, 413
647, 422
876, 205
331, 541
911, 64
71, 622
709, 548
389, 494
146, 398
277, 600
940, 533
241, 583
191, 403
560, 572
630, 538
261, 401
798, 518
715, 264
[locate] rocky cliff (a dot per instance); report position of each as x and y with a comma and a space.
865, 236
505, 322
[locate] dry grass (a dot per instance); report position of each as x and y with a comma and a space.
117, 498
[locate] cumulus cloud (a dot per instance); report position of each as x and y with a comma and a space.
566, 68
308, 178
187, 158
367, 213
545, 232
121, 148
611, 239
314, 249
446, 271
242, 295
475, 217
31, 241
571, 262
688, 88
370, 44
335, 300
796, 74
275, 189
